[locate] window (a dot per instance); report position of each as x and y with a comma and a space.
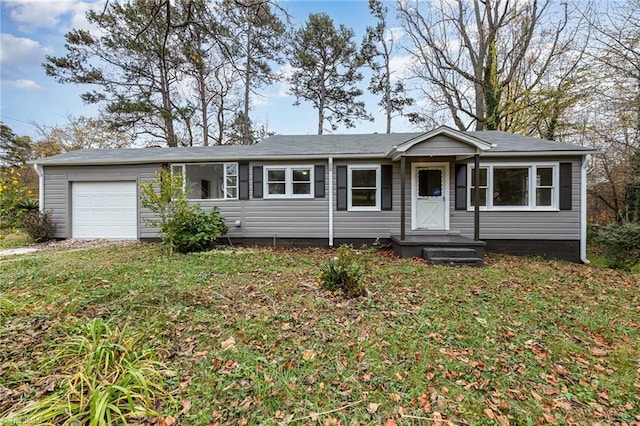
288, 182
209, 181
363, 187
515, 186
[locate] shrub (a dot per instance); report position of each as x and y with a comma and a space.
620, 244
344, 274
191, 229
38, 225
13, 192
184, 228
106, 378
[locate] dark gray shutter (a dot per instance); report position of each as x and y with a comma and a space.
565, 186
461, 186
387, 187
243, 181
257, 181
318, 176
341, 187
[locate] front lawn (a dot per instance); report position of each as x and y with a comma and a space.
248, 338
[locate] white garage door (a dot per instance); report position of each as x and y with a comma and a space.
104, 210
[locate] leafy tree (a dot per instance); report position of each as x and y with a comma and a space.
133, 64
326, 71
474, 59
259, 34
79, 133
15, 150
377, 48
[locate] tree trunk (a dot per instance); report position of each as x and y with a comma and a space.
247, 90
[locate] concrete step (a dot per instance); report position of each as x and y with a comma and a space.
449, 252
453, 256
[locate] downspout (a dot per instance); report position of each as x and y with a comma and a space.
40, 171
583, 209
330, 201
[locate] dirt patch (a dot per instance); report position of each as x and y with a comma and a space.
70, 244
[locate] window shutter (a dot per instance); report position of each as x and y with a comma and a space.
257, 181
461, 186
341, 187
243, 181
318, 175
565, 186
387, 187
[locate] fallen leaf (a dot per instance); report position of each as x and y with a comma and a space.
598, 352
229, 344
308, 354
489, 413
390, 422
186, 406
372, 407
549, 418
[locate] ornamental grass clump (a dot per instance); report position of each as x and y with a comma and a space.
106, 377
343, 274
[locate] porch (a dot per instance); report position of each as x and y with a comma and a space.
440, 249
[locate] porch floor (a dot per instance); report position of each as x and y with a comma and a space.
441, 249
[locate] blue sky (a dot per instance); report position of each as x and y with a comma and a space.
35, 28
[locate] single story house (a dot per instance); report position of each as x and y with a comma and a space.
444, 188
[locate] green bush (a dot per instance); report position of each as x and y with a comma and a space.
344, 274
191, 229
620, 244
38, 225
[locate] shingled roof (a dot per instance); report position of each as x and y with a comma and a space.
285, 147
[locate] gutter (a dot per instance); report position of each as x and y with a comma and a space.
40, 171
583, 209
330, 201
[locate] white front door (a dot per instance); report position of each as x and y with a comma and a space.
429, 187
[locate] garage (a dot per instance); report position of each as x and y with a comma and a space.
104, 210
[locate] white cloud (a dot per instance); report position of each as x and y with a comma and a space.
61, 15
28, 85
19, 52
400, 66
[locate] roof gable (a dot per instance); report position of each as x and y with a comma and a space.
441, 141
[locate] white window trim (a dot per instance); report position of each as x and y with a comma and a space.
378, 169
288, 176
224, 178
532, 167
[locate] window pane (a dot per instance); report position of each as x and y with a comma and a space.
176, 170
483, 177
232, 192
543, 196
363, 197
301, 175
363, 178
483, 197
545, 177
510, 187
276, 188
232, 168
276, 175
232, 181
301, 188
204, 181
429, 183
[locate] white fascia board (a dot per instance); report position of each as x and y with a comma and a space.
537, 153
398, 150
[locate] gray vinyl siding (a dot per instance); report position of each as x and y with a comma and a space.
526, 225
440, 145
286, 217
368, 224
58, 181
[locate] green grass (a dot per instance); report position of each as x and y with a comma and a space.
12, 239
252, 341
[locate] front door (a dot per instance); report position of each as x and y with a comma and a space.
430, 185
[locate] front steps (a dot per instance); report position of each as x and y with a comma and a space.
453, 250
452, 256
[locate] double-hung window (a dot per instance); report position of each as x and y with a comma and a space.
288, 181
504, 186
363, 182
209, 181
